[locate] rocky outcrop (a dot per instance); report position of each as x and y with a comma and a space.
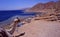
4, 33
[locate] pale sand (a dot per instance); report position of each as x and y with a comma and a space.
40, 28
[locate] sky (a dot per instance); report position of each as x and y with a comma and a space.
19, 4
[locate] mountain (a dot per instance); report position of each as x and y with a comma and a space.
49, 10
42, 7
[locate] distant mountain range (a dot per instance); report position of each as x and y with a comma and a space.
42, 7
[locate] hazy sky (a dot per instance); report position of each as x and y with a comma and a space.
19, 4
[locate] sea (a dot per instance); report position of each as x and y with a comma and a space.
4, 15
7, 16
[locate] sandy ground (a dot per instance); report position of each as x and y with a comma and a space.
40, 28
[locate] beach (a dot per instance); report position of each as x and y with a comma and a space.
40, 28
